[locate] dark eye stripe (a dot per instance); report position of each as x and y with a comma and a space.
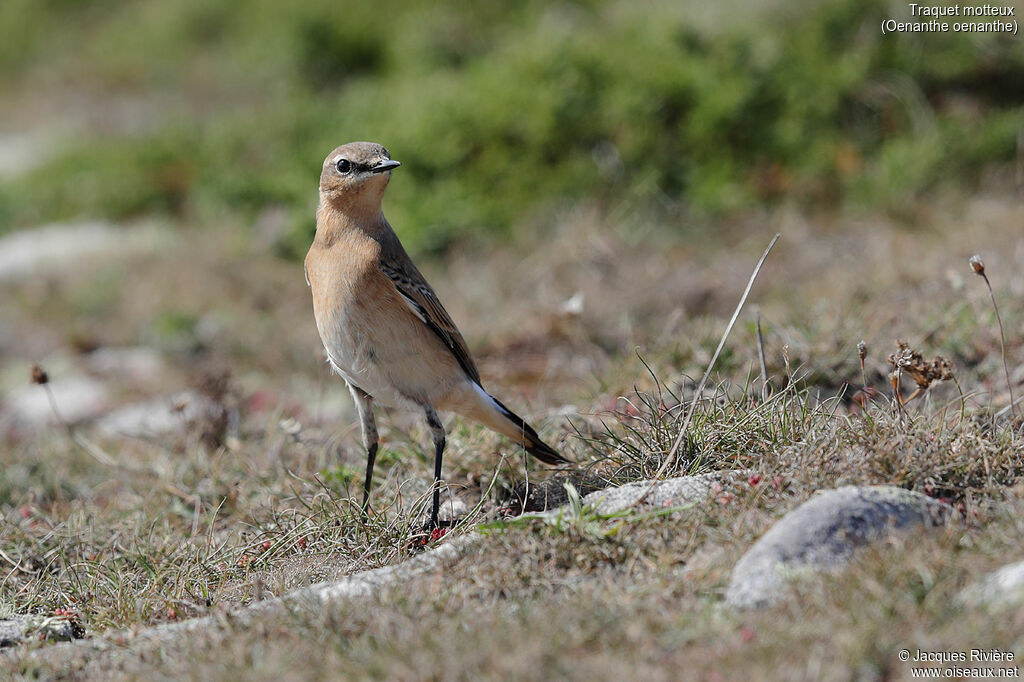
345, 167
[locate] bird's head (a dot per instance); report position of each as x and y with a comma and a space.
355, 174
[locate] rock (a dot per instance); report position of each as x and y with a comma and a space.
140, 365
15, 629
551, 494
573, 306
1000, 588
668, 493
823, 533
51, 248
20, 153
157, 417
77, 397
452, 510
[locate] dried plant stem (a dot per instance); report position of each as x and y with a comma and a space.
90, 449
1013, 404
765, 388
674, 451
862, 353
897, 390
1002, 341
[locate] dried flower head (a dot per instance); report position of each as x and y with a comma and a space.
908, 361
39, 375
862, 350
977, 265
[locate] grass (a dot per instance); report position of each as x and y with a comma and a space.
533, 604
189, 525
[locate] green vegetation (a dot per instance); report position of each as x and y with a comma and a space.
503, 112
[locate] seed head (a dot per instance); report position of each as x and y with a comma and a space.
977, 265
862, 351
39, 375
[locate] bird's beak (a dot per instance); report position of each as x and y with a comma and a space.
385, 165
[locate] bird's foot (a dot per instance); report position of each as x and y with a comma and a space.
432, 532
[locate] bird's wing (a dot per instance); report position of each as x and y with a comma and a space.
422, 300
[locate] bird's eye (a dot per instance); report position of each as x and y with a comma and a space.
343, 166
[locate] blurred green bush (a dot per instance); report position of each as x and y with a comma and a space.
501, 111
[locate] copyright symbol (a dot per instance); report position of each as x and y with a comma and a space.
904, 655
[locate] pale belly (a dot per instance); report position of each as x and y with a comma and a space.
355, 360
377, 345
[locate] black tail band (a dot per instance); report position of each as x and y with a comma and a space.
531, 440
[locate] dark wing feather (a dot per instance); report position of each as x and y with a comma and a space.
423, 301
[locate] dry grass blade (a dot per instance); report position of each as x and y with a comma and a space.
765, 388
670, 458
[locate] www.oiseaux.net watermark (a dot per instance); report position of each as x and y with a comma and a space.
962, 18
971, 664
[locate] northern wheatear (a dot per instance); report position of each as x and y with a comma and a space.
385, 331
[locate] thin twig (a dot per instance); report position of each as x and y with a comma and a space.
90, 449
1000, 413
673, 453
897, 389
979, 269
760, 355
1002, 340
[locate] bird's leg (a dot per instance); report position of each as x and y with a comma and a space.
364, 405
437, 430
371, 456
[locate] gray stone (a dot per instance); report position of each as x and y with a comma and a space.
824, 533
452, 509
77, 397
51, 248
668, 493
21, 152
140, 365
157, 417
15, 629
1001, 588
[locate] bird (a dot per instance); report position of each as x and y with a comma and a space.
383, 328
